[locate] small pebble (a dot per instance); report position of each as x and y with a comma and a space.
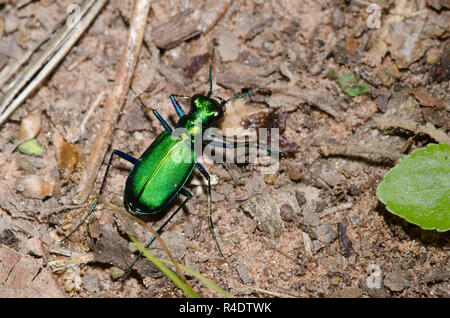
228, 46
91, 283
243, 273
300, 196
11, 23
8, 238
396, 280
287, 212
331, 177
337, 19
354, 190
270, 178
335, 280
294, 173
344, 242
116, 272
33, 246
25, 165
310, 216
326, 234
382, 102
432, 58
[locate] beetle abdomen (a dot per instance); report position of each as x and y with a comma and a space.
159, 175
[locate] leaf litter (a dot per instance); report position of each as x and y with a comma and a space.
344, 146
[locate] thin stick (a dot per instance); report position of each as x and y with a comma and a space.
147, 227
428, 129
219, 16
271, 245
91, 110
44, 253
115, 103
50, 58
20, 81
268, 292
26, 57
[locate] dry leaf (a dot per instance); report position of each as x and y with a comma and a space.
425, 98
23, 276
34, 187
66, 155
29, 128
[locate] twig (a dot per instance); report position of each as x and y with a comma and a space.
48, 60
49, 212
318, 98
154, 62
341, 207
17, 84
268, 292
44, 256
272, 246
376, 156
91, 110
409, 125
125, 214
114, 104
26, 56
23, 3
219, 16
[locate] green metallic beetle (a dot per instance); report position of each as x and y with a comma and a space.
160, 174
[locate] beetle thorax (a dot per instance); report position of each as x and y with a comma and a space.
205, 107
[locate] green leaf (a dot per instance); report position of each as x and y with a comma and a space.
30, 147
202, 278
351, 86
418, 188
332, 75
165, 270
174, 278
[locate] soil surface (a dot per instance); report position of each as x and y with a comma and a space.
306, 225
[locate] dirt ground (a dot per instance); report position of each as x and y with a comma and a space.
307, 226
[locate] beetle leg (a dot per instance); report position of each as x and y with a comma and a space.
162, 121
210, 71
114, 152
206, 174
241, 144
188, 195
177, 106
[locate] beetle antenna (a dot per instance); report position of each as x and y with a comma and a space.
210, 71
250, 92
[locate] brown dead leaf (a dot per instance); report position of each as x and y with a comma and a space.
112, 249
291, 97
272, 119
35, 187
351, 45
441, 70
29, 127
23, 276
66, 155
265, 207
439, 4
178, 28
438, 117
425, 98
196, 63
406, 33
344, 242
